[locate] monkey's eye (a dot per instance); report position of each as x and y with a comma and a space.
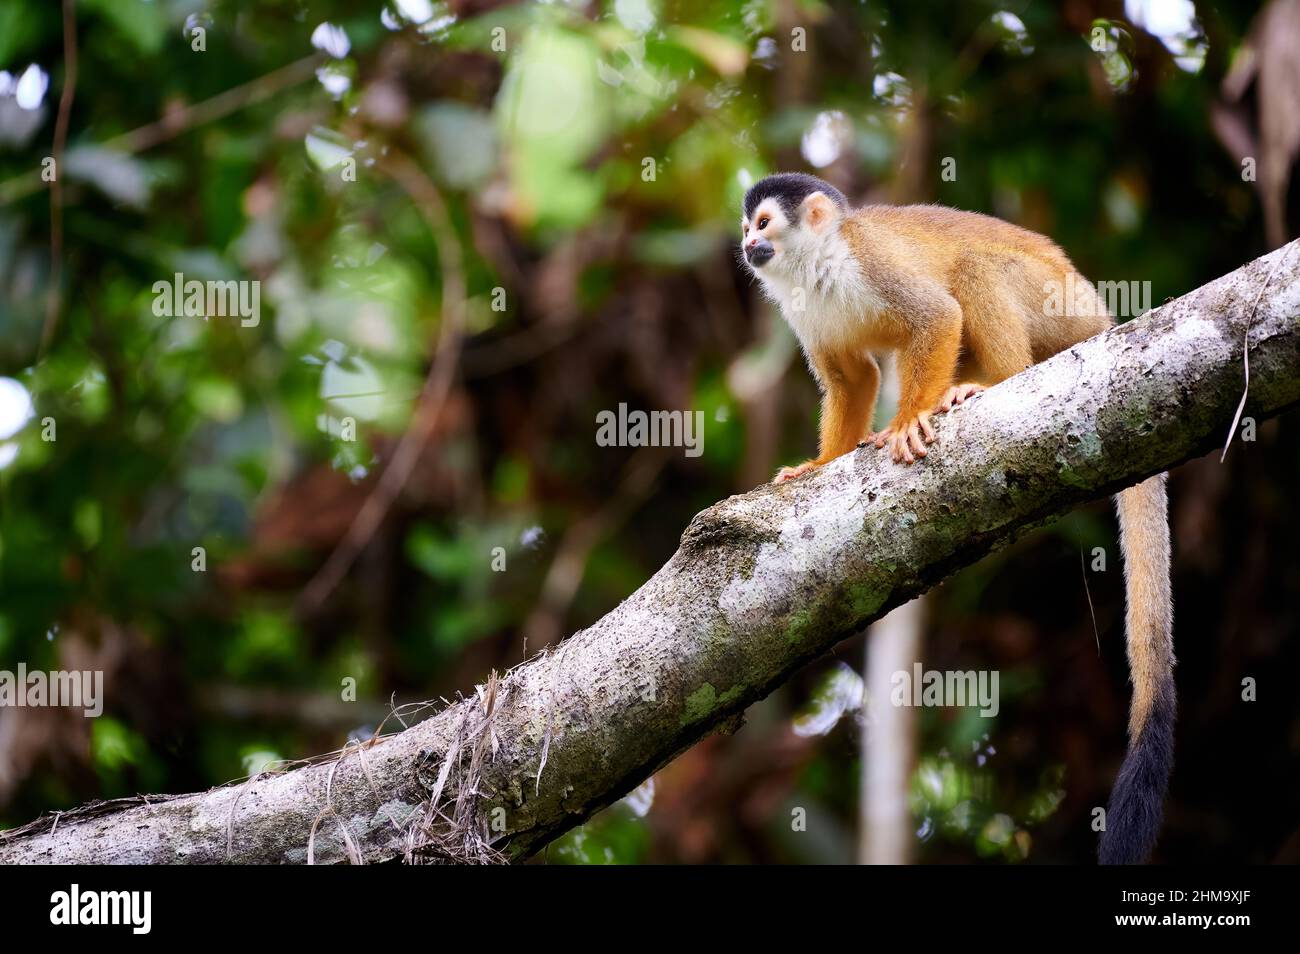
762, 223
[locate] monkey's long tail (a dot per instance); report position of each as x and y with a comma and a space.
1137, 800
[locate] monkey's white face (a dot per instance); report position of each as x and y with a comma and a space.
807, 268
764, 236
775, 244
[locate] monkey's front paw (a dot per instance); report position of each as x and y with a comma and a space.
906, 437
790, 473
956, 395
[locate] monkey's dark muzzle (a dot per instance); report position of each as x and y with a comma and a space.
759, 254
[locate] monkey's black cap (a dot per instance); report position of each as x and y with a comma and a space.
789, 189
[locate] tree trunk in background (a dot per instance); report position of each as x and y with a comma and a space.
889, 739
889, 732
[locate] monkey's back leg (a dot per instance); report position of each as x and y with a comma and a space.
995, 298
1060, 306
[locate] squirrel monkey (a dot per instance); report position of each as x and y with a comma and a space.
960, 298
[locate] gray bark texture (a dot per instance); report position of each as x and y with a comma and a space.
762, 583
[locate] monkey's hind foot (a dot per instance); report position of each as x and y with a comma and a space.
790, 473
906, 437
956, 395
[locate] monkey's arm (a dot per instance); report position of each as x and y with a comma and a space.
927, 366
849, 385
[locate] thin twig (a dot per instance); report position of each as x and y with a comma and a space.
1245, 351
1088, 592
173, 124
217, 107
53, 296
550, 713
563, 578
230, 819
433, 395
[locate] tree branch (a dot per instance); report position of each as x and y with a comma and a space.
762, 583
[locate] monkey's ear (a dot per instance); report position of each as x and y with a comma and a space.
819, 212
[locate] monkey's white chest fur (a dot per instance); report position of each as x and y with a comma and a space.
823, 294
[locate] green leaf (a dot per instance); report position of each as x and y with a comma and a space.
142, 23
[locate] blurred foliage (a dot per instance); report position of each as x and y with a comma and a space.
591, 158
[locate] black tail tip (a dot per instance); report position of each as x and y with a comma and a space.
1137, 801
